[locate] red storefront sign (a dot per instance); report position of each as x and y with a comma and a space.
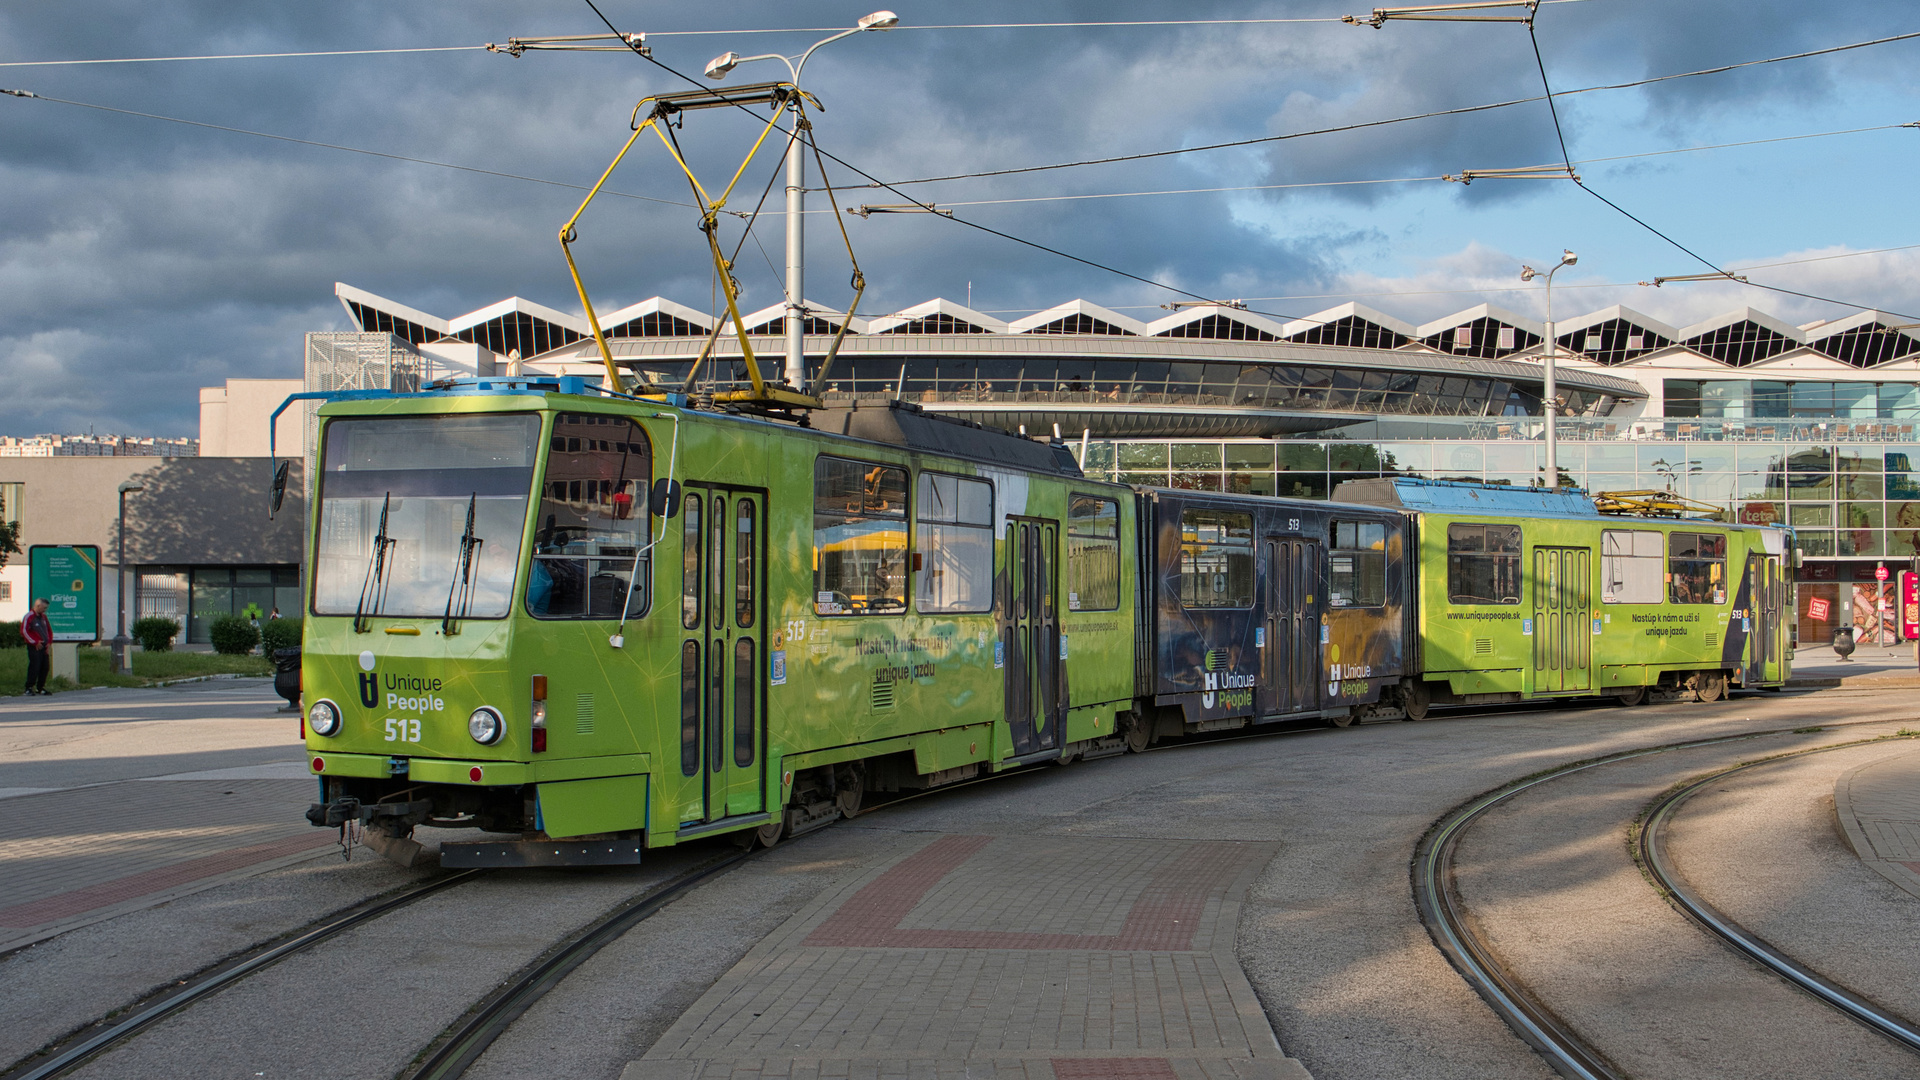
1909, 605
1817, 609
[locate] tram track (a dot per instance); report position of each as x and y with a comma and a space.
78, 1050
1452, 930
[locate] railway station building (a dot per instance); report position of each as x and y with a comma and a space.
1810, 425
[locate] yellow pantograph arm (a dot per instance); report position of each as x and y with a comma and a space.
567, 237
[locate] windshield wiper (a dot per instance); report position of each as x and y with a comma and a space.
462, 586
374, 585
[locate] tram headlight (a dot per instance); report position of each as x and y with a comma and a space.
324, 718
486, 726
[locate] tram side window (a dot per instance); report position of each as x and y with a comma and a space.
1358, 560
859, 537
592, 520
1093, 553
1216, 559
1483, 564
954, 535
1631, 570
1697, 568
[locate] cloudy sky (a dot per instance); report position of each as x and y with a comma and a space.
141, 259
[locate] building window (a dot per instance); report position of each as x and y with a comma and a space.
859, 537
1697, 568
1630, 567
10, 497
1359, 564
954, 538
1483, 564
1216, 559
1093, 553
6, 592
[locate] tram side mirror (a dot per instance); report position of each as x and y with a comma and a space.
663, 499
279, 492
1799, 557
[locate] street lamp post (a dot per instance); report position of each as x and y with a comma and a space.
122, 662
1549, 391
717, 68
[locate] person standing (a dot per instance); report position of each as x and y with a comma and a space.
39, 634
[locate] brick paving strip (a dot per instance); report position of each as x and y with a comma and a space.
991, 958
1878, 805
76, 856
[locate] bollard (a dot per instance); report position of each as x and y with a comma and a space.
64, 659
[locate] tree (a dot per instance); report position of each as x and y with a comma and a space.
9, 535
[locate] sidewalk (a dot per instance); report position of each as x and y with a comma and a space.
998, 957
1871, 667
1879, 809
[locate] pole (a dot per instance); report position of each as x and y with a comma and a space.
122, 663
796, 373
1549, 392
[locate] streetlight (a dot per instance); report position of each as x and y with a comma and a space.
1549, 391
717, 68
122, 662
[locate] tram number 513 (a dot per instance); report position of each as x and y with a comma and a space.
402, 730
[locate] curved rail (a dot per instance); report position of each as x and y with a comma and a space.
202, 986
1445, 917
464, 1045
1654, 856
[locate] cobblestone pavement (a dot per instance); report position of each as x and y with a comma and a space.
1044, 958
1878, 805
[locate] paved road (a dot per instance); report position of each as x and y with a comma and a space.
1322, 823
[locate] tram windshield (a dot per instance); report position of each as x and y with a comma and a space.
422, 516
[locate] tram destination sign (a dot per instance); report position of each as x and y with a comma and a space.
67, 576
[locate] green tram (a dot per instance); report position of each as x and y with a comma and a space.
1529, 593
599, 623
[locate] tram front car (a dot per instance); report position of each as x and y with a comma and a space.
474, 557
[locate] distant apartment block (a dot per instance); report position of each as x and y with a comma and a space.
46, 446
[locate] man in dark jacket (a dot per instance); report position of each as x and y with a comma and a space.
39, 634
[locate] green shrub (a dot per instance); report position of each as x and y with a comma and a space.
233, 635
277, 634
155, 633
10, 636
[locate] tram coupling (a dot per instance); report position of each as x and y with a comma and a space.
396, 817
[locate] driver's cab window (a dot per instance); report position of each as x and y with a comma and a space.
859, 537
592, 521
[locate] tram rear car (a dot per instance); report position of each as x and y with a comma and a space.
1527, 594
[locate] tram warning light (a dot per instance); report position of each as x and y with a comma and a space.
539, 714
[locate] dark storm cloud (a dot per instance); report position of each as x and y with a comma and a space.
141, 259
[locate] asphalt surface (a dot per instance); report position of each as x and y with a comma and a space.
1328, 937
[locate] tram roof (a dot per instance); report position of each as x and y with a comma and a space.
1454, 497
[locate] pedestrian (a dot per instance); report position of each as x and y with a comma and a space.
39, 634
274, 614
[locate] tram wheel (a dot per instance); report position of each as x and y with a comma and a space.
1344, 719
1139, 733
1710, 685
769, 834
1416, 699
848, 800
1632, 697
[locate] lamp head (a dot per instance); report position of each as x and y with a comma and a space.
718, 67
127, 487
1568, 258
879, 20
1528, 273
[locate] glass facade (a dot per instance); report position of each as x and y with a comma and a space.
1780, 399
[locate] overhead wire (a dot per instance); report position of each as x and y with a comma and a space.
1560, 134
1459, 111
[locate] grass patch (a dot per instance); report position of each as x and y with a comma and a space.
96, 669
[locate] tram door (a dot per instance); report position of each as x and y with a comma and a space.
1290, 674
1030, 635
1764, 639
1562, 619
723, 714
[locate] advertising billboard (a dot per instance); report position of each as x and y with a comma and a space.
67, 577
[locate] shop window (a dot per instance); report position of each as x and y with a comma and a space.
1093, 553
953, 535
1483, 564
1630, 567
1216, 559
1697, 568
1358, 561
859, 537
